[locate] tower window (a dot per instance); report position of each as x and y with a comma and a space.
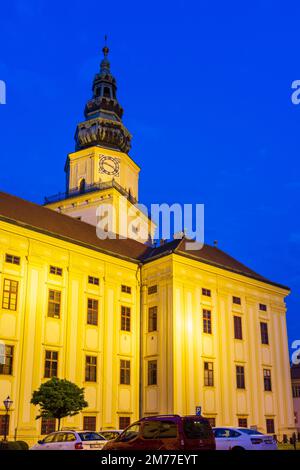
270, 426
236, 300
267, 380
263, 307
82, 186
106, 92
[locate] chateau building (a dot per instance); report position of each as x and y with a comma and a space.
144, 329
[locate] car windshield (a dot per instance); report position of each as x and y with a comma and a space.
90, 436
197, 428
248, 431
109, 435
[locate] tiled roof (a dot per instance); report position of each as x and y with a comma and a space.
39, 218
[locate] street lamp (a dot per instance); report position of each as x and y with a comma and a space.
7, 403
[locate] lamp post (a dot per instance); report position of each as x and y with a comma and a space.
7, 403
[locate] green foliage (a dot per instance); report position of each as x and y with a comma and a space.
59, 398
13, 445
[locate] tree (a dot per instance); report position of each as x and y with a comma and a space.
59, 398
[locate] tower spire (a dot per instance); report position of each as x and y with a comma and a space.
103, 113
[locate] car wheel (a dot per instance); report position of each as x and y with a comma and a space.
238, 448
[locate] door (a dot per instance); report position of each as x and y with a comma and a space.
222, 436
128, 440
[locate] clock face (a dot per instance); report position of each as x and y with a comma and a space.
109, 165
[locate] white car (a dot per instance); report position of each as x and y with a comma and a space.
230, 438
71, 440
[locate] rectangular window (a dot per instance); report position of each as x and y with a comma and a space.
212, 422
263, 307
54, 301
47, 425
124, 372
124, 421
6, 359
240, 377
12, 259
152, 372
243, 423
51, 364
126, 289
10, 294
92, 312
296, 391
152, 319
267, 380
91, 368
209, 374
56, 270
264, 333
206, 292
89, 423
207, 321
270, 426
125, 318
152, 289
236, 300
238, 333
4, 425
93, 280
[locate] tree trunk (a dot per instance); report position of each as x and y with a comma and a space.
59, 424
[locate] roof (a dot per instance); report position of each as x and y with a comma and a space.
41, 219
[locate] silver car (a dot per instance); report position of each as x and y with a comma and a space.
71, 440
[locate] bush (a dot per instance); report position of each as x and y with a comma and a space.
13, 445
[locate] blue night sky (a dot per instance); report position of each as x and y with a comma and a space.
205, 86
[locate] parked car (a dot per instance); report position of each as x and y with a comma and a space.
230, 438
168, 432
111, 434
71, 440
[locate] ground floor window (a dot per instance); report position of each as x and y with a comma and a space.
124, 421
48, 425
89, 423
4, 425
270, 426
243, 423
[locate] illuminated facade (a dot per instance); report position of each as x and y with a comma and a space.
144, 329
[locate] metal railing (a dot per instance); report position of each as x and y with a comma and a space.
89, 188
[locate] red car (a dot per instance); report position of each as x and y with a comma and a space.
167, 432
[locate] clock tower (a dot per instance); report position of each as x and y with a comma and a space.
100, 171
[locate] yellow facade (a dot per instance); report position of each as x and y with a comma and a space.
180, 342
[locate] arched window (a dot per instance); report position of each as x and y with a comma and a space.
82, 186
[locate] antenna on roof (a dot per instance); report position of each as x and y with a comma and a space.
216, 243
